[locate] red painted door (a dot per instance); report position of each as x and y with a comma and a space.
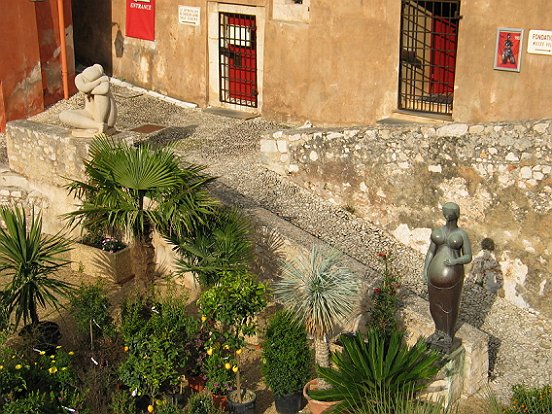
240, 53
443, 55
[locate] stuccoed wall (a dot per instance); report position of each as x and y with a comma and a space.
398, 177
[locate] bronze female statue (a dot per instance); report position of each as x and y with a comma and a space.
448, 252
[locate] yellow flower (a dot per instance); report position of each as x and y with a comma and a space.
42, 352
226, 347
210, 351
18, 366
52, 356
71, 353
239, 351
1, 367
52, 370
227, 365
58, 347
64, 368
150, 408
235, 368
125, 348
203, 318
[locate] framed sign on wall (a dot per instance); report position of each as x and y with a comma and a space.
140, 19
508, 49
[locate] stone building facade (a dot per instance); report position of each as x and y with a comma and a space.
334, 63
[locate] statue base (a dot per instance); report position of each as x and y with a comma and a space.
89, 133
443, 343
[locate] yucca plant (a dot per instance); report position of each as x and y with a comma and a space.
321, 293
30, 259
377, 363
382, 401
222, 244
136, 190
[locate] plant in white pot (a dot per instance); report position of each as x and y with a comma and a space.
287, 361
321, 293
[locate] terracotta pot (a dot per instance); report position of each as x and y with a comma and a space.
196, 384
220, 401
315, 406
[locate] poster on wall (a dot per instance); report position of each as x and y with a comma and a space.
508, 49
140, 19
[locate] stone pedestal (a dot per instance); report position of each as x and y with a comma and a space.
467, 369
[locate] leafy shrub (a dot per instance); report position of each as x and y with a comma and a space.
168, 408
287, 359
381, 362
383, 313
526, 400
91, 309
201, 403
34, 403
155, 335
123, 403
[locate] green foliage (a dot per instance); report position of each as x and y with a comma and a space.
527, 400
219, 377
383, 313
120, 180
374, 363
168, 408
318, 290
287, 359
91, 309
123, 403
222, 243
383, 402
233, 303
41, 380
30, 258
201, 403
156, 335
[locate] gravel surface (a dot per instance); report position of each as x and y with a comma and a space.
521, 342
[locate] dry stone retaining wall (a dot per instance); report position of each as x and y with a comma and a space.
398, 177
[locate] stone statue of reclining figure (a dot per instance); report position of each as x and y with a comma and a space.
99, 111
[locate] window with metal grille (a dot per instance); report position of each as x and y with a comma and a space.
238, 59
429, 35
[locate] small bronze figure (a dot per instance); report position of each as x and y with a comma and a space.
448, 252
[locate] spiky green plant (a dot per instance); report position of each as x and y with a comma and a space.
377, 363
29, 259
321, 293
135, 190
222, 244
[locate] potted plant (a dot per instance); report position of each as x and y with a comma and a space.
155, 334
91, 310
376, 369
29, 259
287, 361
232, 303
321, 293
103, 256
137, 190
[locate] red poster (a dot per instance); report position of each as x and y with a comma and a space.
140, 19
508, 49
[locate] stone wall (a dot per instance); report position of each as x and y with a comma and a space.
398, 177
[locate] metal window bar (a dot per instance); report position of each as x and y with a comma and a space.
238, 59
429, 35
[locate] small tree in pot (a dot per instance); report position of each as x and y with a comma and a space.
287, 361
232, 303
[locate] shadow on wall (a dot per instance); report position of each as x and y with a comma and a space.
482, 285
92, 33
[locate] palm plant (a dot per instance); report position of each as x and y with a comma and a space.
320, 293
376, 365
136, 190
30, 258
222, 244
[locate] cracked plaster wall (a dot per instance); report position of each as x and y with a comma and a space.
398, 177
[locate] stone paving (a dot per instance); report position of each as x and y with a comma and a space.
521, 342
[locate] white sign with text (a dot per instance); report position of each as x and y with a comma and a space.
189, 15
540, 42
